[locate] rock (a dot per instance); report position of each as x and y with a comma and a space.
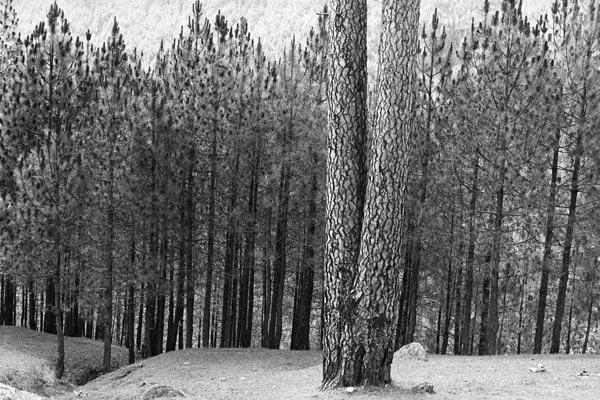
10, 393
424, 387
350, 389
123, 372
539, 368
162, 392
412, 351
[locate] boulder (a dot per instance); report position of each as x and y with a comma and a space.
162, 392
424, 387
10, 393
411, 351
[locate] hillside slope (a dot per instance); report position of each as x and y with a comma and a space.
27, 360
144, 23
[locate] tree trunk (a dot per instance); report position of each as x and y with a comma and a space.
140, 324
485, 308
266, 283
31, 304
305, 285
566, 260
230, 250
280, 263
345, 191
550, 210
108, 279
131, 304
206, 320
371, 309
448, 311
189, 259
468, 299
49, 315
159, 328
248, 263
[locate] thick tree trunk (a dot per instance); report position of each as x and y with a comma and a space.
468, 299
370, 310
568, 242
345, 192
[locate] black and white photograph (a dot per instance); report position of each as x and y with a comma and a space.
300, 199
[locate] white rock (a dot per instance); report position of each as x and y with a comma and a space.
350, 389
411, 351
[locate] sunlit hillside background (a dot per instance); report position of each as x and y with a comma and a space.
145, 23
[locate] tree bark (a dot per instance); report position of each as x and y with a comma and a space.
550, 210
206, 321
468, 299
345, 192
305, 285
566, 260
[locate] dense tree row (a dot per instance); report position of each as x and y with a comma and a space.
182, 203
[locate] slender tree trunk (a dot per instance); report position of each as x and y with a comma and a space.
458, 313
130, 340
140, 324
159, 329
248, 263
266, 282
504, 291
568, 242
468, 299
485, 308
49, 314
31, 304
550, 210
206, 321
305, 284
230, 256
591, 280
190, 273
280, 263
108, 279
521, 308
449, 290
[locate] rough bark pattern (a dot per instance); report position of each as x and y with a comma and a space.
346, 178
210, 246
380, 251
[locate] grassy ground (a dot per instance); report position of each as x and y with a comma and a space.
267, 374
27, 360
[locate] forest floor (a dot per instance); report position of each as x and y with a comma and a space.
27, 360
254, 374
